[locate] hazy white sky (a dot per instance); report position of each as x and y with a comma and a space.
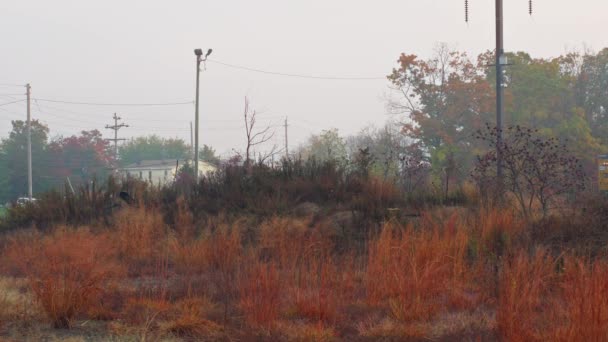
142, 51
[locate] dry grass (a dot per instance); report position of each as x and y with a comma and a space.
140, 238
67, 271
585, 302
449, 275
525, 283
260, 295
417, 272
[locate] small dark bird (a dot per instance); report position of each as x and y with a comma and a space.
126, 197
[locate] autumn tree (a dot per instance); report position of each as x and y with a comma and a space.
83, 157
445, 99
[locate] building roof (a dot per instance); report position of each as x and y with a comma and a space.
155, 164
163, 164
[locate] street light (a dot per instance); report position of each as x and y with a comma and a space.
199, 59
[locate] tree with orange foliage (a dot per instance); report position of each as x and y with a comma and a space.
445, 98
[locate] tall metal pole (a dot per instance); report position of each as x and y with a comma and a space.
286, 141
499, 87
191, 141
29, 143
198, 73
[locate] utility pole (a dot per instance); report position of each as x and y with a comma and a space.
191, 141
286, 141
116, 127
28, 89
199, 59
500, 61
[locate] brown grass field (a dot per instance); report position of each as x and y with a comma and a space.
447, 274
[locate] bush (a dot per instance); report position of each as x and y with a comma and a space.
67, 271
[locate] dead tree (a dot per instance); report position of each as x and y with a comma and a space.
254, 137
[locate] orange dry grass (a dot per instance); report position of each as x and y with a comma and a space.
417, 272
67, 271
188, 319
224, 254
524, 294
260, 295
585, 298
497, 229
140, 237
317, 294
289, 242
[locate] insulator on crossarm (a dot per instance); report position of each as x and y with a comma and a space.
466, 11
530, 7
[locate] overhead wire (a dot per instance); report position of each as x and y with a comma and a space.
316, 77
11, 85
132, 128
8, 103
116, 104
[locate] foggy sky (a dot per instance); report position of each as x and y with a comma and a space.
142, 51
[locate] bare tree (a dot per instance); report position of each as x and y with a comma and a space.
537, 169
254, 137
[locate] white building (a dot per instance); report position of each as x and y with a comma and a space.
161, 172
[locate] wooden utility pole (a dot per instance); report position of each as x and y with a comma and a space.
191, 141
116, 127
500, 62
28, 89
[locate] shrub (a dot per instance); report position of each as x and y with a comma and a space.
67, 271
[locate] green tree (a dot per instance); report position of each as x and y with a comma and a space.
544, 94
592, 93
153, 147
13, 160
327, 146
208, 154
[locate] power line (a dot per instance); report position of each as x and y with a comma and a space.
8, 103
11, 85
332, 78
115, 104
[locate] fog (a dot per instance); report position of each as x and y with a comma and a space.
142, 52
